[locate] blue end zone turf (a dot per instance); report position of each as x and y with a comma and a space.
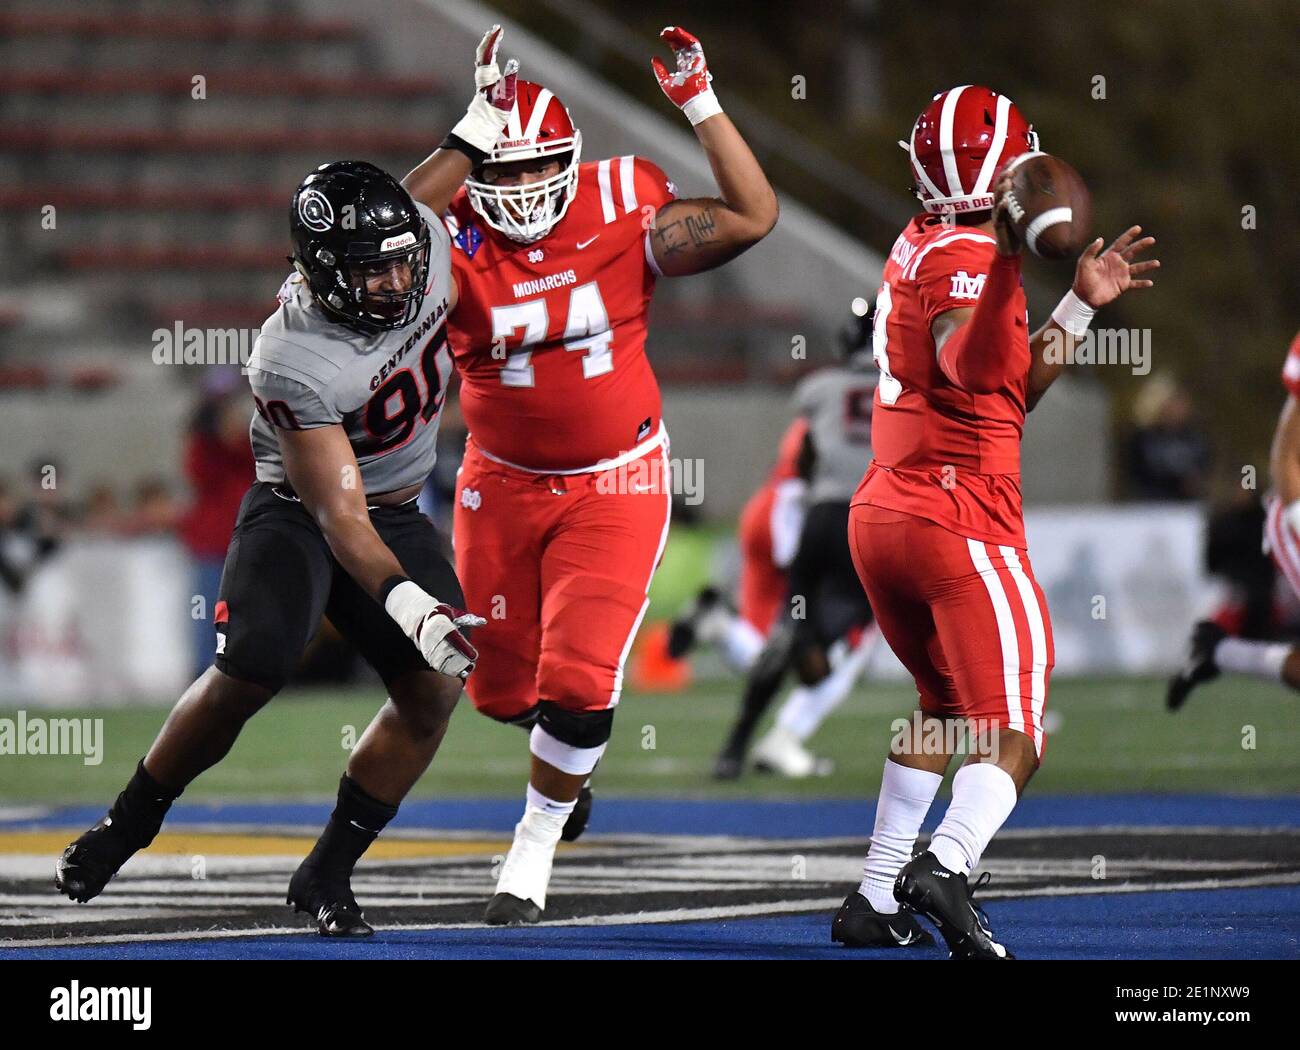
1239, 896
756, 818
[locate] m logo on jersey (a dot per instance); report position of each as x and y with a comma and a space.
470, 239
964, 286
315, 211
471, 499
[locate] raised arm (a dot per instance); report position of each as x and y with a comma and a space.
321, 467
435, 180
1099, 278
700, 233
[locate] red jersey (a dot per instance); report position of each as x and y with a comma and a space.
549, 337
787, 456
1291, 369
942, 453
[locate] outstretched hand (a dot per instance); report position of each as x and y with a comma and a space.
1102, 277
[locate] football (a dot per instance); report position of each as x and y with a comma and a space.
1049, 205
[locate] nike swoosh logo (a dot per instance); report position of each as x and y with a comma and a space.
583, 244
902, 940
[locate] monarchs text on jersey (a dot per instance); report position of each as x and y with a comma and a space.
549, 337
941, 452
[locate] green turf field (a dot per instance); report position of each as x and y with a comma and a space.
1114, 736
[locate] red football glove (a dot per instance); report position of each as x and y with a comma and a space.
689, 88
494, 96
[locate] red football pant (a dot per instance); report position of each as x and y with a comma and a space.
559, 566
966, 618
762, 585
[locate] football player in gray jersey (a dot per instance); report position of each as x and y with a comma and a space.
349, 376
824, 607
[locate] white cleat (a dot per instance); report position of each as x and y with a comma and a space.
781, 752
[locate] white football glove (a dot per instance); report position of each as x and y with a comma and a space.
434, 627
494, 95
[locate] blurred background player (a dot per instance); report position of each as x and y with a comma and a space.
768, 535
822, 628
937, 529
1213, 650
565, 495
344, 445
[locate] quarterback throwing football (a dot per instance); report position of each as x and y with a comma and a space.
936, 527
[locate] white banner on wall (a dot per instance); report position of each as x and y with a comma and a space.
107, 621
103, 621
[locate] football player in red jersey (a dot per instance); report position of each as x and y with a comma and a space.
1213, 650
564, 495
768, 536
936, 525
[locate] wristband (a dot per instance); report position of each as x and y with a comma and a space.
481, 125
1291, 515
408, 604
702, 107
476, 156
1073, 314
386, 588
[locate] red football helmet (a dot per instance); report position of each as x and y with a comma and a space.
960, 142
539, 127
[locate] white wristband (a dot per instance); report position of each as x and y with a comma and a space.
482, 124
702, 107
1073, 314
408, 603
1291, 515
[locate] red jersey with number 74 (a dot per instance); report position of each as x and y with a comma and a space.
549, 337
942, 453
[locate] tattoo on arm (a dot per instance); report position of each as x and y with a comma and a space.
691, 231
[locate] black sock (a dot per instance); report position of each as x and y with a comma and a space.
355, 823
140, 808
761, 687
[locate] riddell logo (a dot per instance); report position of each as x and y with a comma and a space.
76, 1003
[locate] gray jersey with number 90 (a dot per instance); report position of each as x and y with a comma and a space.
386, 390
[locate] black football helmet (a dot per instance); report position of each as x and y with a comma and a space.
351, 221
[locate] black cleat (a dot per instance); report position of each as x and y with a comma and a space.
943, 897
577, 822
505, 909
1200, 666
329, 901
729, 764
89, 863
684, 632
858, 925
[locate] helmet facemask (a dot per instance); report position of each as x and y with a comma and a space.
351, 301
527, 212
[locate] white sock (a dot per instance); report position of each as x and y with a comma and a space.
536, 800
741, 645
807, 707
1261, 659
905, 798
983, 796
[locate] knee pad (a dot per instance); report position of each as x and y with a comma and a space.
580, 729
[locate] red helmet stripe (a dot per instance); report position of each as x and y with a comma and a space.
946, 120
918, 168
539, 113
990, 166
